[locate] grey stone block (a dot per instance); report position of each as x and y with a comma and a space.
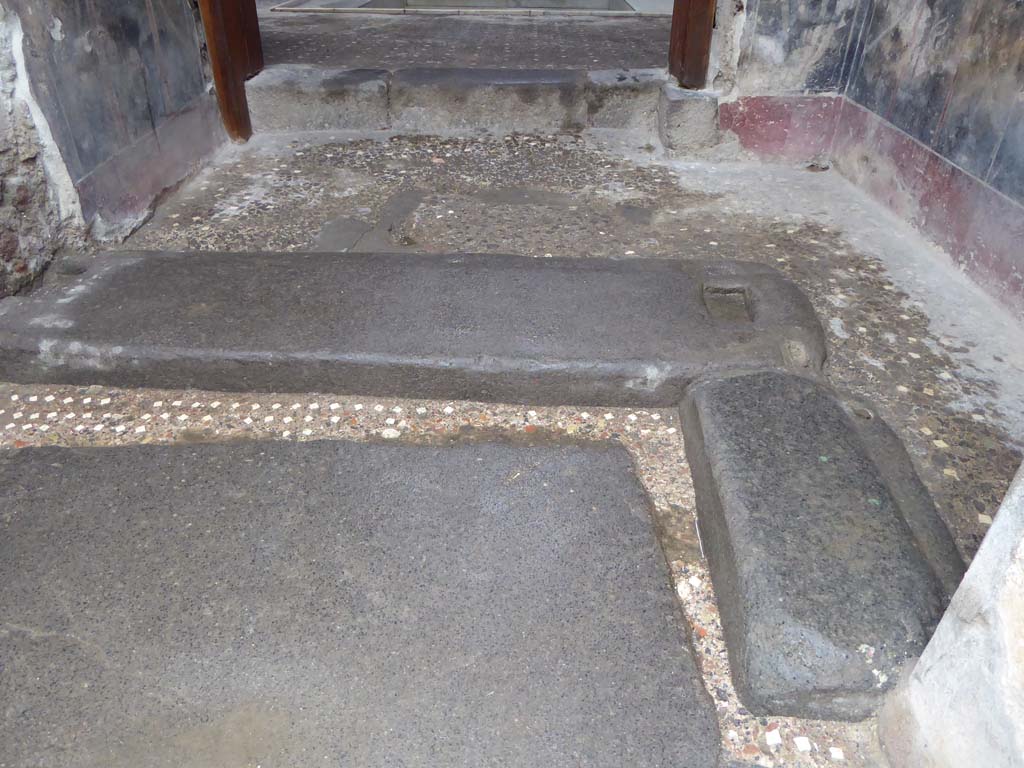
819, 554
283, 603
458, 101
298, 97
624, 99
485, 327
499, 101
687, 120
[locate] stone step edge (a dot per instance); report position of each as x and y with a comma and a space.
41, 339
455, 101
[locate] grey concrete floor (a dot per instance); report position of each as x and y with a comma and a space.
503, 42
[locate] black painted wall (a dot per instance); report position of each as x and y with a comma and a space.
798, 46
951, 74
108, 74
948, 72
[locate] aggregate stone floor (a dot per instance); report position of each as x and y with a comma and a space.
938, 361
946, 375
353, 41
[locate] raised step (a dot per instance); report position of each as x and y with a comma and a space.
470, 101
498, 328
303, 97
830, 563
284, 603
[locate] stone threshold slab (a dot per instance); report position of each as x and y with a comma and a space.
337, 603
830, 563
492, 328
449, 101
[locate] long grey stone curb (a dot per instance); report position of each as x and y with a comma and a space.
475, 327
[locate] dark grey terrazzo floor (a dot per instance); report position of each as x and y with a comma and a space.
394, 42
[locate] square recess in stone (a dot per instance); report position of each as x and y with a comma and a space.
335, 603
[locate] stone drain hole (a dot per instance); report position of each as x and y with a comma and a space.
727, 304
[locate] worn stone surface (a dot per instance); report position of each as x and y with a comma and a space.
824, 590
281, 603
63, 415
625, 100
962, 703
305, 97
442, 101
502, 328
929, 354
916, 507
455, 101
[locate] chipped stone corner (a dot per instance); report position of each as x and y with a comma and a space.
40, 212
687, 120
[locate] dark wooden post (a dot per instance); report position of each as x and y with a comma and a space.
225, 41
253, 43
690, 47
